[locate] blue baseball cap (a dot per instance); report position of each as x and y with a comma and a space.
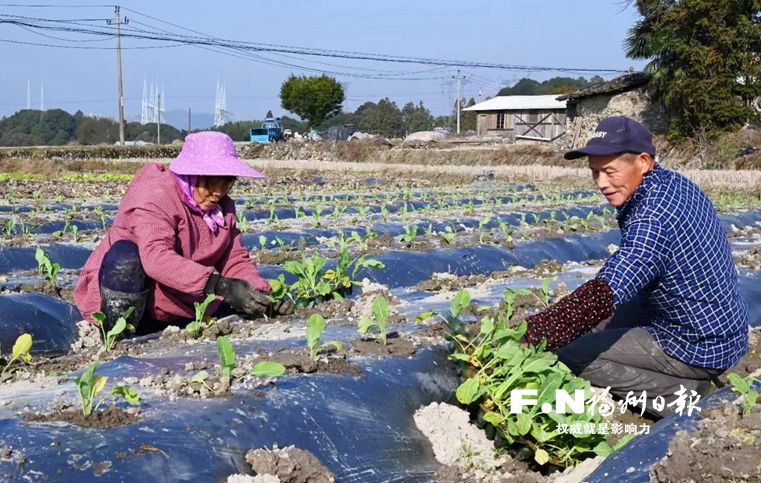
616, 135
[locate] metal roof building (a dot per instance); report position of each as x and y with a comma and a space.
535, 118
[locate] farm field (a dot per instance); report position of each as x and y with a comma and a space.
400, 282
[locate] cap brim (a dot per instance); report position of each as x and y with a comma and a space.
593, 150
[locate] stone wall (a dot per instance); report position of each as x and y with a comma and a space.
584, 115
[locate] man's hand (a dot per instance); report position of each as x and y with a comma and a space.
238, 294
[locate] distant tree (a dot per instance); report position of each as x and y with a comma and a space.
312, 98
416, 118
97, 130
705, 57
555, 85
443, 121
30, 127
524, 87
339, 119
293, 124
134, 131
383, 118
468, 118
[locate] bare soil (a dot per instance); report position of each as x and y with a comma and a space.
725, 448
395, 346
110, 418
48, 289
297, 361
290, 465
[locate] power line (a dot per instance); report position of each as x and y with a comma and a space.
250, 47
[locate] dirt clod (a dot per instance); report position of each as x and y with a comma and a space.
289, 464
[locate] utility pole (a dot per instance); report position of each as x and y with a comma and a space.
188, 120
459, 95
118, 21
158, 124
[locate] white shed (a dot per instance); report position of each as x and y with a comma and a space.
536, 118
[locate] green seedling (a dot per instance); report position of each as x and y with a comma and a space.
279, 288
268, 369
200, 377
545, 289
242, 221
226, 356
46, 267
110, 337
9, 228
75, 232
410, 232
459, 303
469, 208
262, 242
379, 319
315, 328
425, 316
20, 350
89, 385
481, 231
744, 386
197, 325
273, 218
495, 363
316, 216
448, 235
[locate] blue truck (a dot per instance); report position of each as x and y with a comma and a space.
269, 132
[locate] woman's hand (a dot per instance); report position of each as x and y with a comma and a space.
238, 294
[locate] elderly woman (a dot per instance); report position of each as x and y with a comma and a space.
174, 241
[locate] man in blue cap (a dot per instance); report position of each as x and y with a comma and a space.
674, 261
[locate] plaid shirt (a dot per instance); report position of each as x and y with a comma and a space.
675, 253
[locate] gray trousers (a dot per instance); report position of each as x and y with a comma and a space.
629, 359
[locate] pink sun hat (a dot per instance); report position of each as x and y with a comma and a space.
211, 153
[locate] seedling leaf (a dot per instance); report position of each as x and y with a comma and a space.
128, 394
459, 302
22, 346
200, 376
468, 391
268, 369
425, 315
226, 355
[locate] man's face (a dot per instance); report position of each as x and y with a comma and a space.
619, 175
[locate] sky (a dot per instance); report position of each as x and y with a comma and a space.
581, 34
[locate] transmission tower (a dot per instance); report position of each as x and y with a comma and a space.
221, 113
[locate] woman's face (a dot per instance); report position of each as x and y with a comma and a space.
210, 190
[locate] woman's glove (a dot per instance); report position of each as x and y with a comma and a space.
238, 294
281, 307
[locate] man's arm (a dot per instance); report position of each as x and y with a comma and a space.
572, 316
642, 257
